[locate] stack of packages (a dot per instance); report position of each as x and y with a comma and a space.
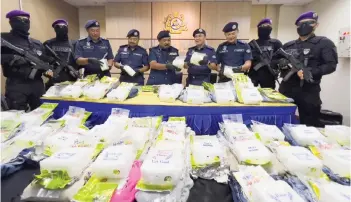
318, 161
246, 92
169, 93
23, 130
121, 93
271, 95
55, 90
100, 88
196, 94
166, 167
76, 89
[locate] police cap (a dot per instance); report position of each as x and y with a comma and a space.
265, 21
15, 13
308, 15
231, 26
92, 23
199, 31
59, 21
134, 33
163, 34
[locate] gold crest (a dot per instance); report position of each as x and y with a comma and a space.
174, 23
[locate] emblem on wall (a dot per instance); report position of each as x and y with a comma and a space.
175, 24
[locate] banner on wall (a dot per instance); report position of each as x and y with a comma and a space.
175, 23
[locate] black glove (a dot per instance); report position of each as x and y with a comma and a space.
137, 73
172, 67
204, 61
95, 61
283, 63
237, 69
18, 60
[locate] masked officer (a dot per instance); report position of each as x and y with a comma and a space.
200, 73
90, 50
64, 48
22, 91
263, 76
134, 56
319, 57
160, 59
233, 53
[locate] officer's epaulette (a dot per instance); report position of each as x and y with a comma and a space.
273, 40
193, 47
316, 39
223, 44
81, 39
35, 41
242, 42
209, 47
141, 48
123, 46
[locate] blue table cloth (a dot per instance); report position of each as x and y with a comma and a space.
202, 119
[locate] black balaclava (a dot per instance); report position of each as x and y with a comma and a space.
264, 32
305, 28
20, 26
61, 32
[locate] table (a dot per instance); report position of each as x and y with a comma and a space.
203, 119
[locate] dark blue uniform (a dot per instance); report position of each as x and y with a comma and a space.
234, 55
136, 59
162, 56
320, 57
86, 48
202, 73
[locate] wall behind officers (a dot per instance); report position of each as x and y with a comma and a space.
319, 56
233, 53
201, 72
90, 50
23, 88
64, 48
160, 59
264, 76
134, 56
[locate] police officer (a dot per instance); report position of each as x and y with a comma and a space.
233, 53
21, 91
263, 76
90, 50
134, 56
200, 73
160, 59
319, 57
64, 48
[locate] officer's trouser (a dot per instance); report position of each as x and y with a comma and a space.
23, 93
308, 102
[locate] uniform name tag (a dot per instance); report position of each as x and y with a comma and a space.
61, 49
138, 54
238, 50
173, 53
103, 47
88, 47
124, 53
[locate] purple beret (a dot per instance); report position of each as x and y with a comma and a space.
265, 21
92, 23
58, 21
308, 15
16, 13
231, 26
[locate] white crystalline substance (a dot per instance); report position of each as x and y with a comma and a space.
74, 91
162, 167
130, 71
136, 136
73, 160
114, 162
196, 57
299, 160
98, 91
224, 93
169, 93
106, 133
205, 149
338, 160
174, 131
251, 96
169, 144
333, 192
268, 133
340, 134
195, 94
274, 191
252, 152
249, 176
33, 135
179, 62
121, 92
305, 136
237, 132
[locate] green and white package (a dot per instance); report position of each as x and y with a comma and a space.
9, 129
75, 117
205, 151
38, 116
251, 152
161, 170
121, 92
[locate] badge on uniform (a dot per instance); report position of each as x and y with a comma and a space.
39, 52
224, 48
248, 51
88, 43
125, 49
306, 51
